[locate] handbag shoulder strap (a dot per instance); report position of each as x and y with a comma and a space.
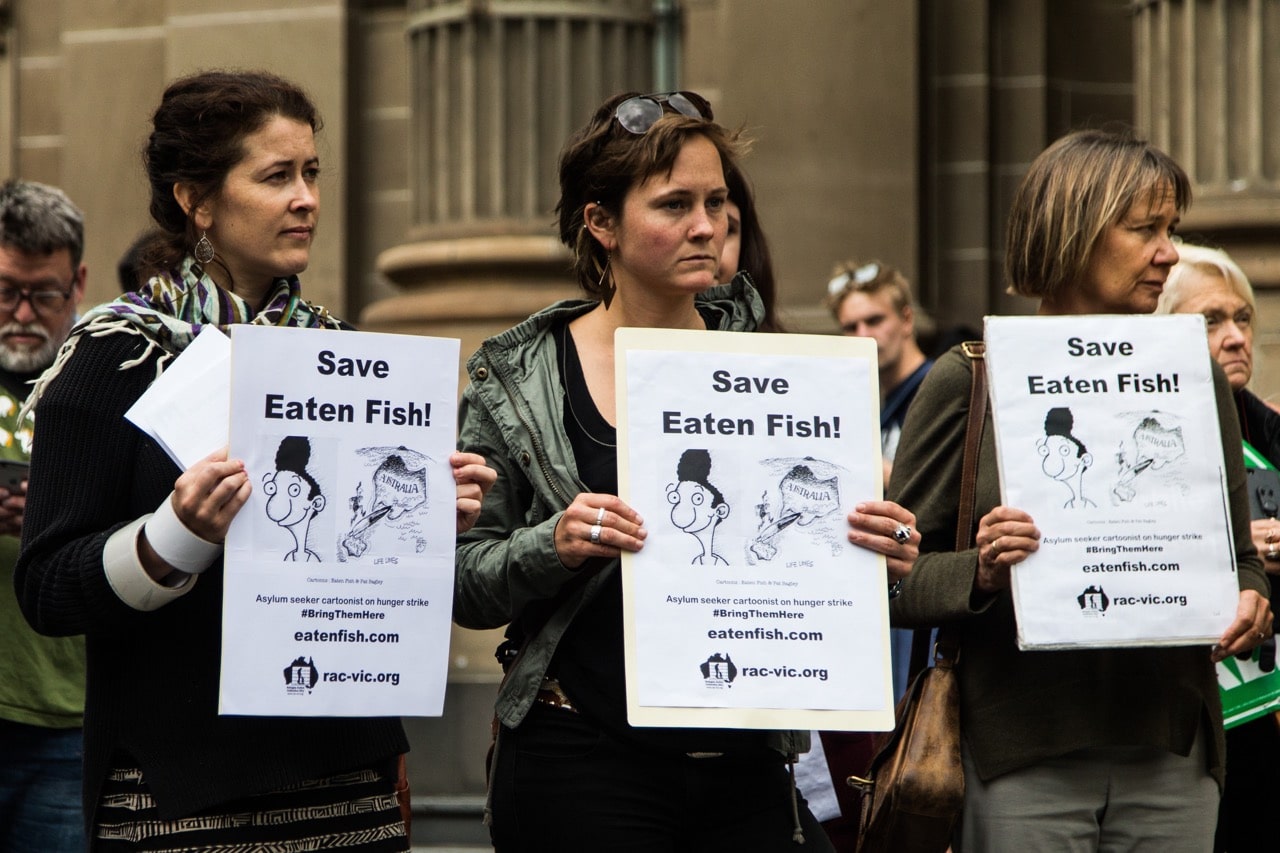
975, 351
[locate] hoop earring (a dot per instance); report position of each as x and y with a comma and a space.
606, 286
203, 251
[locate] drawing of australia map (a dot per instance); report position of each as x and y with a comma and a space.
387, 506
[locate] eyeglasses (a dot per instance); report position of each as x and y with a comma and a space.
46, 303
860, 277
642, 112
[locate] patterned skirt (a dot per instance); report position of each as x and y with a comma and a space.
351, 811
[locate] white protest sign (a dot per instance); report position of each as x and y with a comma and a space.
748, 607
339, 569
1107, 434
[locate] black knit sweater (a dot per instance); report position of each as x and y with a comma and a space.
152, 689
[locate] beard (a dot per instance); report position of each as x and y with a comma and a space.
22, 359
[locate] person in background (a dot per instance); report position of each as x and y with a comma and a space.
129, 266
1082, 749
873, 300
1207, 281
870, 300
642, 206
42, 278
123, 547
747, 250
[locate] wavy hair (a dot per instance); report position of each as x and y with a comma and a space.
197, 137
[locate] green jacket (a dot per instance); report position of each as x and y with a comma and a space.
1019, 708
41, 678
512, 413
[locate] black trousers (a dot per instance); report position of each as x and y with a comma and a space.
1245, 821
562, 784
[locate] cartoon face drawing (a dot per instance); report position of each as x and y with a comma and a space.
290, 498
293, 495
1063, 457
696, 505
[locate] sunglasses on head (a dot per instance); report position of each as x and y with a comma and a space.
860, 277
640, 113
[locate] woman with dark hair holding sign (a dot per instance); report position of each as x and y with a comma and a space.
122, 546
1104, 749
642, 206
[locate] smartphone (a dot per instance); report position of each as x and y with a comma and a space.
12, 474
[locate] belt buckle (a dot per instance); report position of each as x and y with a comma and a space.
552, 695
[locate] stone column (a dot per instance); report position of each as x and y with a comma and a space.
1207, 74
7, 101
496, 88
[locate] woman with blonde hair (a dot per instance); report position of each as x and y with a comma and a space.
1096, 749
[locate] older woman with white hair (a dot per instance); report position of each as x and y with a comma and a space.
1207, 281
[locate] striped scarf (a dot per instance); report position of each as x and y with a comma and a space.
169, 312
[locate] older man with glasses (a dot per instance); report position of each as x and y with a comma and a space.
42, 280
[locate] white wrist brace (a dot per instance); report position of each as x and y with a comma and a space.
177, 545
129, 579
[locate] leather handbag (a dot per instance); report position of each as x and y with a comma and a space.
916, 784
914, 790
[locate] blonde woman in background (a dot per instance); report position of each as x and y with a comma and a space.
1207, 281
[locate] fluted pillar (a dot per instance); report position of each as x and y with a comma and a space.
1208, 92
496, 87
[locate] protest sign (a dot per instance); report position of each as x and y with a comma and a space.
1107, 434
339, 569
748, 607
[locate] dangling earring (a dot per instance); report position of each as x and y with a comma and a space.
204, 248
606, 286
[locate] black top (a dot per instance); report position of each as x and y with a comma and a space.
1260, 426
589, 660
152, 684
18, 384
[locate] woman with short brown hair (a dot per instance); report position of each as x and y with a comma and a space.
1097, 749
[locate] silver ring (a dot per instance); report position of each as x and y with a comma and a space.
595, 534
600, 517
902, 535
